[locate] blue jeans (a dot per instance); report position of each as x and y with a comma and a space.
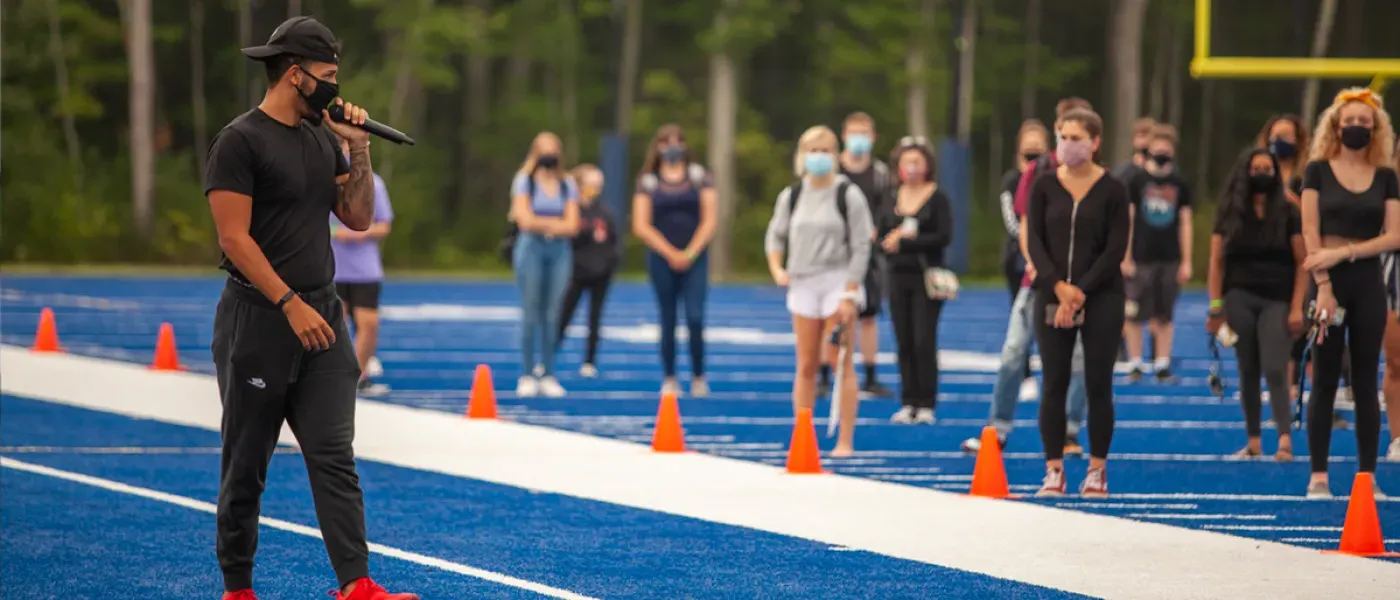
1014, 354
674, 287
543, 267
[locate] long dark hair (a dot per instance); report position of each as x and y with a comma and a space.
1236, 203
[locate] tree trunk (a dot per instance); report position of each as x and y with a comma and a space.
1176, 96
477, 97
293, 8
631, 58
407, 89
1028, 86
1203, 141
723, 109
966, 62
201, 123
141, 62
58, 54
1327, 15
568, 80
1126, 74
915, 61
1161, 57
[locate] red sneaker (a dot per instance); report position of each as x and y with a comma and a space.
367, 589
240, 595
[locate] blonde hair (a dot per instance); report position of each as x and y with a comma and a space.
814, 134
527, 167
1327, 142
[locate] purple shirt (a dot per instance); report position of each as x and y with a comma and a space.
359, 262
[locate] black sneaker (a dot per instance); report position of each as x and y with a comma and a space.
1135, 374
874, 389
823, 387
1164, 375
368, 388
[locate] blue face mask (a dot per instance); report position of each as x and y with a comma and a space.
818, 163
673, 154
858, 144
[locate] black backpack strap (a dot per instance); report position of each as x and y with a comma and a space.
841, 204
794, 193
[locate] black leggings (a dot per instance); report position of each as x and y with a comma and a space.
1102, 328
597, 290
915, 320
1262, 349
1361, 293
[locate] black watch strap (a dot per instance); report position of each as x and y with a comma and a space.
287, 297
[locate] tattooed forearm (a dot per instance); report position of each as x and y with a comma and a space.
355, 206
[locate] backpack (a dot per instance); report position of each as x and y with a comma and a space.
795, 192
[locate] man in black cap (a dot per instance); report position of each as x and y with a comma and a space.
281, 347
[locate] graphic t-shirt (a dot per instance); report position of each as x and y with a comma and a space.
1158, 201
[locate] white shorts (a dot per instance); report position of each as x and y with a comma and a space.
818, 296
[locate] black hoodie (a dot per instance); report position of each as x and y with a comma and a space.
597, 247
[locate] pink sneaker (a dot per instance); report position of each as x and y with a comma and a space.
1095, 484
1053, 485
367, 589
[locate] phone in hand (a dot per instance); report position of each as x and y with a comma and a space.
1052, 309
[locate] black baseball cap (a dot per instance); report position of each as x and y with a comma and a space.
301, 36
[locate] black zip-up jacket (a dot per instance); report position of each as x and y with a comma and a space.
594, 259
1082, 245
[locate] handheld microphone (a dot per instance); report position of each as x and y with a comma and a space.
337, 113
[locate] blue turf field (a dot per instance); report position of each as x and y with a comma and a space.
1170, 450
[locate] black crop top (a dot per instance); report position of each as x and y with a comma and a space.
1344, 213
1083, 245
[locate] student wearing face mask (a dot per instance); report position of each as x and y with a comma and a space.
818, 244
544, 205
597, 251
1161, 255
872, 176
915, 230
1257, 285
674, 213
1351, 216
1031, 143
1077, 230
1142, 135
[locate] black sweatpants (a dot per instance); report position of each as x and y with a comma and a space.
597, 290
1360, 291
266, 377
1102, 328
1262, 349
915, 320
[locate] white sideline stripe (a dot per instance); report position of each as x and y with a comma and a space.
1020, 541
1239, 497
1119, 506
1304, 540
1272, 527
192, 504
1192, 516
125, 450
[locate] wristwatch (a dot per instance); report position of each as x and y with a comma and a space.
287, 297
1216, 307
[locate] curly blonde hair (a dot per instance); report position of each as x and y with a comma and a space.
1327, 143
814, 134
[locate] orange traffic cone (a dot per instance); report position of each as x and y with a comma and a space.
46, 337
167, 357
668, 436
1361, 534
483, 401
989, 476
803, 456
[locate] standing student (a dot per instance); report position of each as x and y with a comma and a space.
674, 213
1351, 216
1161, 253
281, 349
1142, 136
1257, 285
1032, 141
872, 176
915, 230
544, 205
818, 245
359, 276
1077, 228
597, 252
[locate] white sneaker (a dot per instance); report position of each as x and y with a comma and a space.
588, 371
671, 386
1394, 454
1344, 401
905, 415
374, 368
1030, 390
527, 387
1319, 490
551, 388
924, 416
698, 387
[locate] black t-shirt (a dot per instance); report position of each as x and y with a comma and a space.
290, 174
1342, 212
874, 182
1007, 204
1258, 263
597, 247
1158, 202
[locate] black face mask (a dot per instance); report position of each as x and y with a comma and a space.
547, 161
1356, 137
1162, 160
1283, 149
673, 154
1030, 156
318, 99
1262, 183
1143, 152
